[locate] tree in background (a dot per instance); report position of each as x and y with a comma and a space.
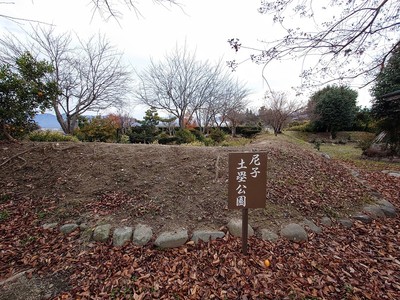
111, 9
278, 110
385, 110
181, 85
363, 120
24, 90
89, 74
148, 130
349, 39
334, 108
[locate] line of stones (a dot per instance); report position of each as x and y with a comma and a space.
142, 234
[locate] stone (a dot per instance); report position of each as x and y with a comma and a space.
389, 212
83, 226
326, 221
311, 225
294, 232
391, 173
235, 228
394, 174
268, 235
387, 208
101, 233
49, 225
206, 235
172, 239
142, 234
68, 228
324, 155
122, 235
362, 217
383, 202
346, 222
374, 211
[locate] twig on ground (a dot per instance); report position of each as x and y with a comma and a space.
14, 156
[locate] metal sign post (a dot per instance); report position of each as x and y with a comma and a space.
247, 185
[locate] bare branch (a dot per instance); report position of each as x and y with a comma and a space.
353, 43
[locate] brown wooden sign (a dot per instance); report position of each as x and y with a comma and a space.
247, 180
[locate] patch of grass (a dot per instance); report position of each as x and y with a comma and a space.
341, 151
4, 215
4, 198
28, 240
41, 214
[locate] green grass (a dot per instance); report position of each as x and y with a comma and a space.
4, 215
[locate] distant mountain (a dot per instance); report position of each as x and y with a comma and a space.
47, 121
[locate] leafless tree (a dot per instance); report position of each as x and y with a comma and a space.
278, 110
112, 8
90, 75
180, 85
231, 96
232, 106
350, 38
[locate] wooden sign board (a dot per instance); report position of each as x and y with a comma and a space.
247, 180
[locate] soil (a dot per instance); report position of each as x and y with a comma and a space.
170, 187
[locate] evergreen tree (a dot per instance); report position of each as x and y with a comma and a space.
334, 108
24, 91
385, 109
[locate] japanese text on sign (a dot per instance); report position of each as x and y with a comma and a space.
247, 180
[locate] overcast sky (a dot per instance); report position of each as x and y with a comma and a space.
205, 25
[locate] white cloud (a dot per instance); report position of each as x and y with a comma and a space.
205, 25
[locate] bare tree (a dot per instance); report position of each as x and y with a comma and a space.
232, 106
180, 85
231, 96
350, 38
90, 76
112, 8
278, 110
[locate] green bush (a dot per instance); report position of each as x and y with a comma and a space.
217, 135
168, 140
97, 129
248, 132
124, 139
303, 127
209, 141
184, 136
364, 144
50, 136
198, 134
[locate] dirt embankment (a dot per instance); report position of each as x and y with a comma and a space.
171, 186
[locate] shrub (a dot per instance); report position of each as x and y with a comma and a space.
217, 135
124, 139
248, 132
209, 141
303, 127
168, 140
51, 136
98, 129
365, 143
184, 136
198, 134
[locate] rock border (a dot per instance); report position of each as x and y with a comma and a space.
296, 232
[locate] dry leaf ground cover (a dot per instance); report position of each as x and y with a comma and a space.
186, 186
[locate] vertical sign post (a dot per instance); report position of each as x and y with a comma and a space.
247, 185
